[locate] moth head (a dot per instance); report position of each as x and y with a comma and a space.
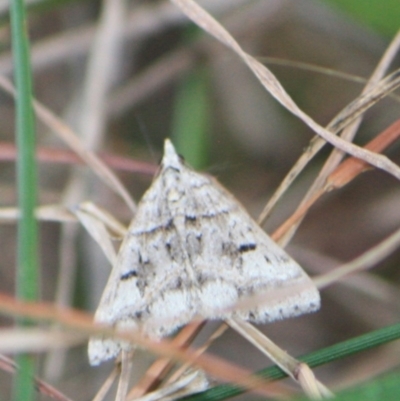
171, 159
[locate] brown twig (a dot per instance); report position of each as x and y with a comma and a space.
342, 175
83, 322
160, 368
63, 156
8, 365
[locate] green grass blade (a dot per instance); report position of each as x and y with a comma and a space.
191, 115
386, 388
27, 265
314, 359
381, 15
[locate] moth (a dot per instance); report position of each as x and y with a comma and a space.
192, 251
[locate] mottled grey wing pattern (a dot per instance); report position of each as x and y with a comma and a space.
193, 251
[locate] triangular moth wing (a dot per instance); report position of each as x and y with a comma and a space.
191, 251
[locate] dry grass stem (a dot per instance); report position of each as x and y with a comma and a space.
291, 366
106, 218
269, 81
106, 51
126, 368
83, 322
106, 386
8, 365
352, 167
214, 336
315, 389
90, 121
16, 340
141, 21
362, 263
170, 67
348, 134
63, 156
191, 382
99, 233
341, 120
183, 381
44, 213
161, 367
344, 173
70, 138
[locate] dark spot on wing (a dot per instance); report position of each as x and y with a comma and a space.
190, 218
239, 263
229, 248
283, 258
247, 247
200, 278
143, 260
130, 274
169, 225
211, 215
141, 285
178, 283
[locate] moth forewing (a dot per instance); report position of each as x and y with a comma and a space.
193, 251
